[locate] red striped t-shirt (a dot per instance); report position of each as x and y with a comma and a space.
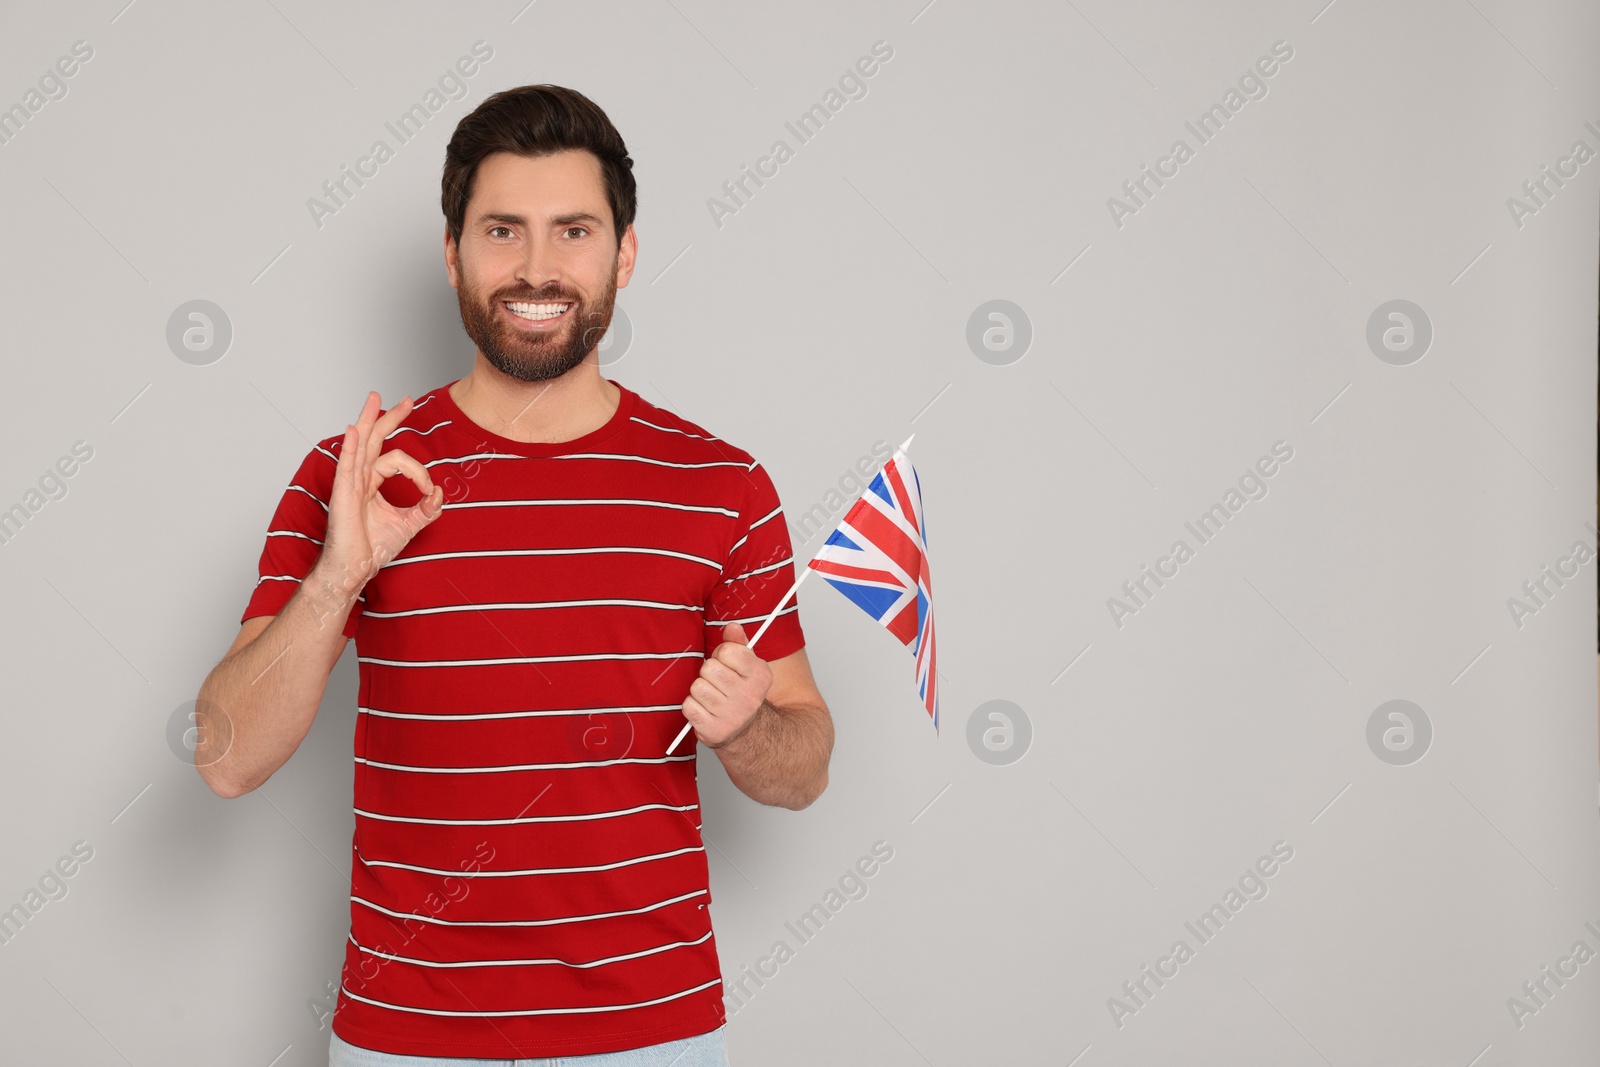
527, 873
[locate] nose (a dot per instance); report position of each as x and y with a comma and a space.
537, 269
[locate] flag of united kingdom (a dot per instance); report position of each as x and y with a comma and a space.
878, 557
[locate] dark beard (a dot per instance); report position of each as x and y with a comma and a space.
536, 358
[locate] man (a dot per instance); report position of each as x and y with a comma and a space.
545, 575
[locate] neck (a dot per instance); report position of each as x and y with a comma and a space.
562, 409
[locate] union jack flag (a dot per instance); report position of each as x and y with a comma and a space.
878, 557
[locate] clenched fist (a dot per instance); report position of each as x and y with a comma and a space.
732, 686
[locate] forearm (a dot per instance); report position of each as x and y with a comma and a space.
781, 757
258, 704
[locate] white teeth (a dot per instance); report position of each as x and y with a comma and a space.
537, 311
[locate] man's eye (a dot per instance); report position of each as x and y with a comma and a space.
497, 229
576, 229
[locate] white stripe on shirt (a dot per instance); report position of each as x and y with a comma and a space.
449, 717
578, 765
531, 1011
507, 660
624, 549
589, 501
531, 818
702, 939
533, 604
529, 922
527, 871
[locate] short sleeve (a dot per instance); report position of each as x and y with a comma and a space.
758, 572
295, 536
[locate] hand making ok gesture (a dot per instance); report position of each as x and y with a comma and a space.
365, 531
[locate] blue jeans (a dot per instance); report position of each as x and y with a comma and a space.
703, 1050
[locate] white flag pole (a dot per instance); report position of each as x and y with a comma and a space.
774, 614
768, 620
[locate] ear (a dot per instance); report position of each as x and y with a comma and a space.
452, 254
627, 254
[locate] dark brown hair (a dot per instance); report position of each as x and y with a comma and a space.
536, 120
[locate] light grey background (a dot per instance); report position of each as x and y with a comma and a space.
1167, 354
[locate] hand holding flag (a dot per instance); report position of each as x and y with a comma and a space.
732, 686
878, 557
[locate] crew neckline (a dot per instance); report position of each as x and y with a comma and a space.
539, 449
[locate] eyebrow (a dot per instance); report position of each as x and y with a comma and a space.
560, 220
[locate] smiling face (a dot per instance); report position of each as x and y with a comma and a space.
538, 267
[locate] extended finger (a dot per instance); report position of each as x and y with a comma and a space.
345, 473
390, 419
369, 411
383, 426
363, 420
372, 436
